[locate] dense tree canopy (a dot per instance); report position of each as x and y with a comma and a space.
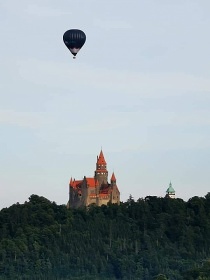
151, 238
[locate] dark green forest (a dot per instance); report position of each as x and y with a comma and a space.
151, 238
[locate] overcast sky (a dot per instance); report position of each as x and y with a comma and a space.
139, 88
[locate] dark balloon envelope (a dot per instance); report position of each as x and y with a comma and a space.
74, 39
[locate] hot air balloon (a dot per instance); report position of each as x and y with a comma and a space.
74, 39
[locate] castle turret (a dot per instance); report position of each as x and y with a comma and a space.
113, 179
101, 173
115, 194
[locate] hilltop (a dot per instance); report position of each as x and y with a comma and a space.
151, 238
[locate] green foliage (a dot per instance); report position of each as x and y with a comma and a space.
200, 272
151, 238
161, 277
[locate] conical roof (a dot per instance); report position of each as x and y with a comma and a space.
170, 189
113, 179
101, 159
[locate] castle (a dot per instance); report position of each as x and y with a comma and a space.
95, 190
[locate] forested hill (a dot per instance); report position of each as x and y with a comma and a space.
152, 238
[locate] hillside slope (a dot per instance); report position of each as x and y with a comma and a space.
134, 240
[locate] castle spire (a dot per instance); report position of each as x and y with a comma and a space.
101, 159
71, 181
113, 178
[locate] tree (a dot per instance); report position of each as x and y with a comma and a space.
161, 277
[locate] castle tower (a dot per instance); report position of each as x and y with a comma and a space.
115, 194
101, 173
170, 192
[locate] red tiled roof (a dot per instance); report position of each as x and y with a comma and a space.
105, 189
92, 182
104, 192
101, 159
75, 183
